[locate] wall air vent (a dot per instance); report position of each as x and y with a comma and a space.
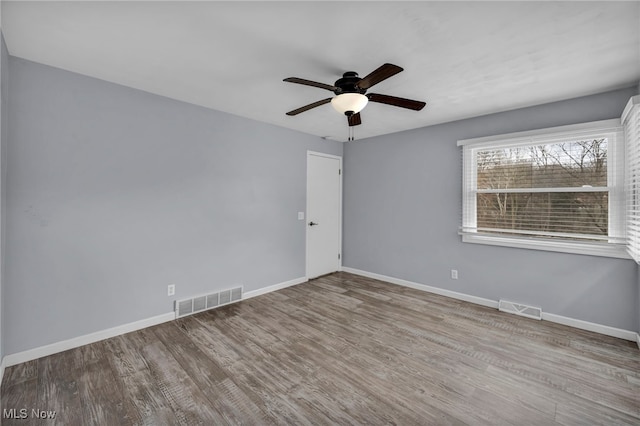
520, 309
207, 301
184, 307
225, 297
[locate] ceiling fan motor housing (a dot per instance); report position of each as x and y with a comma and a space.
348, 84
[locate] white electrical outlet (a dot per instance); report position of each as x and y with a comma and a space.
171, 289
454, 274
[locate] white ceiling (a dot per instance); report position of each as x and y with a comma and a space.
463, 58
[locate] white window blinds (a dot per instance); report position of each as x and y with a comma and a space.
631, 124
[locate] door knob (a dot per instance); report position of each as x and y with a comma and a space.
312, 223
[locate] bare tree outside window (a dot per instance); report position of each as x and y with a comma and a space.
552, 189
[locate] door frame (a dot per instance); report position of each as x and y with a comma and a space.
306, 226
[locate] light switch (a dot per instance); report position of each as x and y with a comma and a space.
300, 215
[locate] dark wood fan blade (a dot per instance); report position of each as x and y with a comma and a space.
395, 101
382, 73
308, 107
310, 83
354, 119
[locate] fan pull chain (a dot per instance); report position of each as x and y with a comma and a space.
351, 136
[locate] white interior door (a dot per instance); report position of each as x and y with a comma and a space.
324, 213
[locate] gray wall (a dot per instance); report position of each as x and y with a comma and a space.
115, 193
403, 207
4, 81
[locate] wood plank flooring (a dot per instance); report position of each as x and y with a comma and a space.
341, 349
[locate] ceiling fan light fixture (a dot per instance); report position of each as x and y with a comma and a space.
349, 102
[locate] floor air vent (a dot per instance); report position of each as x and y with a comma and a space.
207, 301
519, 309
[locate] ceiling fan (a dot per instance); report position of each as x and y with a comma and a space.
351, 95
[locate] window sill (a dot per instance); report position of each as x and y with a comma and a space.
591, 249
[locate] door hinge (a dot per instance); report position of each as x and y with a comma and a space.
339, 171
338, 255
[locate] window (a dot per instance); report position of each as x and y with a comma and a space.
631, 122
557, 189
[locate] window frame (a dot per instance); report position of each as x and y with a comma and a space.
614, 247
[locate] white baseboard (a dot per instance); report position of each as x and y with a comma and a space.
584, 325
31, 354
442, 292
280, 286
590, 326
